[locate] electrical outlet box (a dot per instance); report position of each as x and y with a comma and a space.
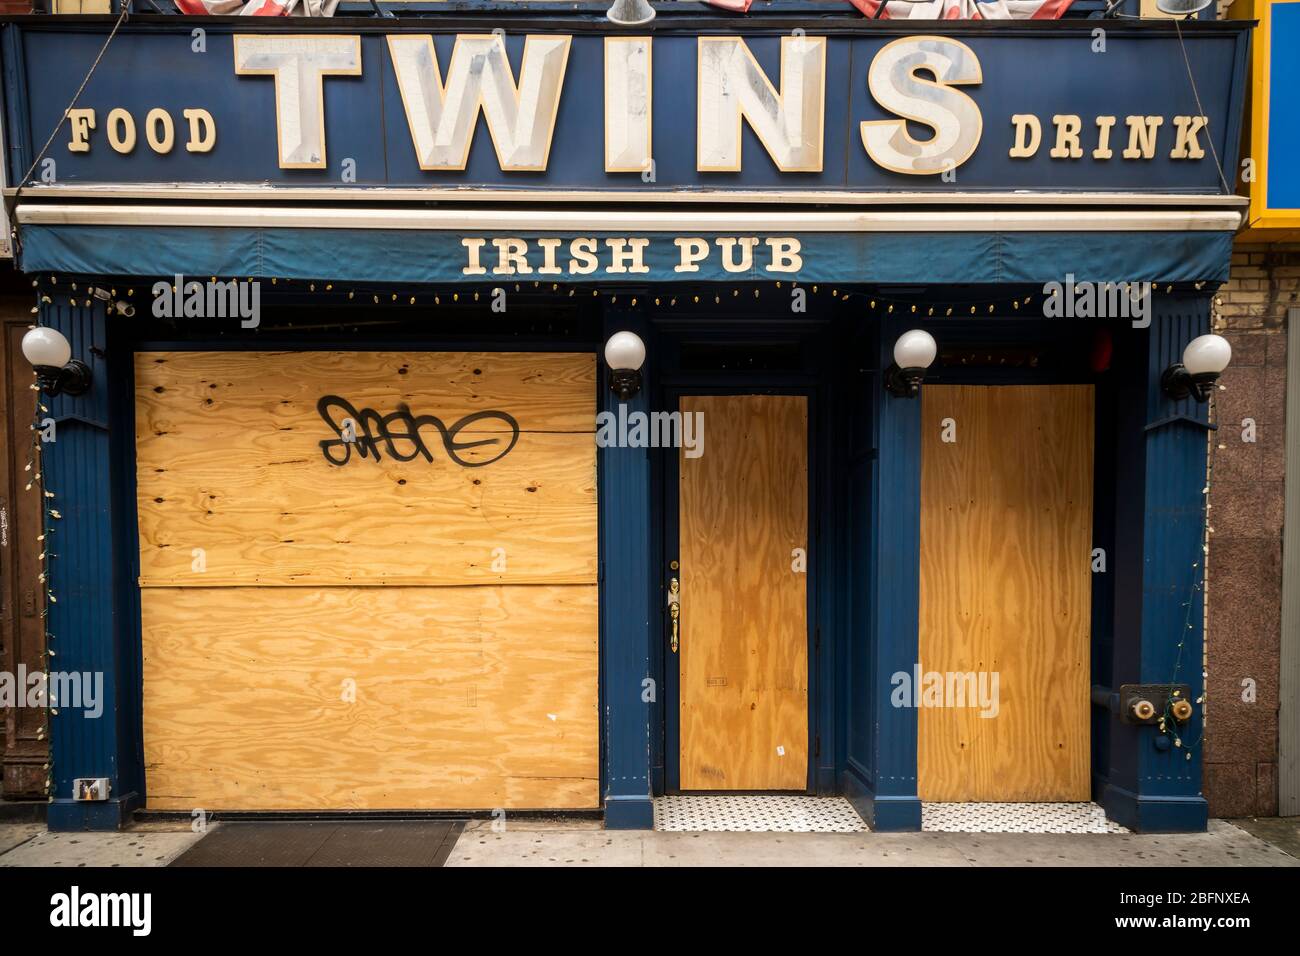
90, 788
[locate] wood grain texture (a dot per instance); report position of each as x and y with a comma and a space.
24, 745
473, 698
744, 635
477, 693
229, 461
1006, 527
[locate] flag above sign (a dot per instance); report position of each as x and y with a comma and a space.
883, 9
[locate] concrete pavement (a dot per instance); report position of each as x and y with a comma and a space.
585, 843
145, 844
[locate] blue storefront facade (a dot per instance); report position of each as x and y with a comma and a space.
770, 203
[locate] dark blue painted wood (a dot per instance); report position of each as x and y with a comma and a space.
1104, 492
126, 547
882, 781
826, 533
857, 443
365, 121
625, 612
88, 634
669, 468
17, 132
1151, 784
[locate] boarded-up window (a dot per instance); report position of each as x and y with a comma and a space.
368, 579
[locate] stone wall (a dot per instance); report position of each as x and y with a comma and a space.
1244, 594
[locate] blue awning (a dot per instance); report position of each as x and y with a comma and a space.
440, 257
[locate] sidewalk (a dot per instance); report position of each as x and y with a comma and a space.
145, 844
585, 843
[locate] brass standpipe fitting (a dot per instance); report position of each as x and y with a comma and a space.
1143, 709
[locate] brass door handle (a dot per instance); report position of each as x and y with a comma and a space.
675, 610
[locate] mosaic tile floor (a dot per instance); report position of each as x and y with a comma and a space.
791, 814
756, 814
1016, 818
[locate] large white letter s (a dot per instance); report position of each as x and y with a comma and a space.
954, 116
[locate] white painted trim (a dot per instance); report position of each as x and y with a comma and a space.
239, 192
629, 221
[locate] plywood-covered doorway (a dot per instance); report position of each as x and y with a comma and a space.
368, 579
743, 631
1006, 525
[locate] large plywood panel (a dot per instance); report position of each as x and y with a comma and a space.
1006, 525
744, 634
473, 697
231, 469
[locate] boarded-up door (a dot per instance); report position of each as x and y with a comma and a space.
406, 619
743, 659
1006, 525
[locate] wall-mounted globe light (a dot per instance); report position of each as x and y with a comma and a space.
1182, 8
914, 352
57, 372
625, 354
631, 13
1204, 360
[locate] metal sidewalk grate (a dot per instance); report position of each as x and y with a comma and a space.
312, 844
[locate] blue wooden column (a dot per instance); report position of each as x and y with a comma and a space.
884, 790
88, 634
1151, 782
625, 609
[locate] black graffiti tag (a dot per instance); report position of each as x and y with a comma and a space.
400, 433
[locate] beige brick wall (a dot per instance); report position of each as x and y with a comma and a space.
1244, 593
1265, 283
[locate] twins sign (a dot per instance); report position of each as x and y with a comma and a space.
966, 107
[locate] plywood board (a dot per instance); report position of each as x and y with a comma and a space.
743, 659
403, 621
1006, 526
473, 697
235, 488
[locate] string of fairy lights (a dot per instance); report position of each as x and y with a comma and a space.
38, 482
1167, 723
875, 303
1195, 597
716, 294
